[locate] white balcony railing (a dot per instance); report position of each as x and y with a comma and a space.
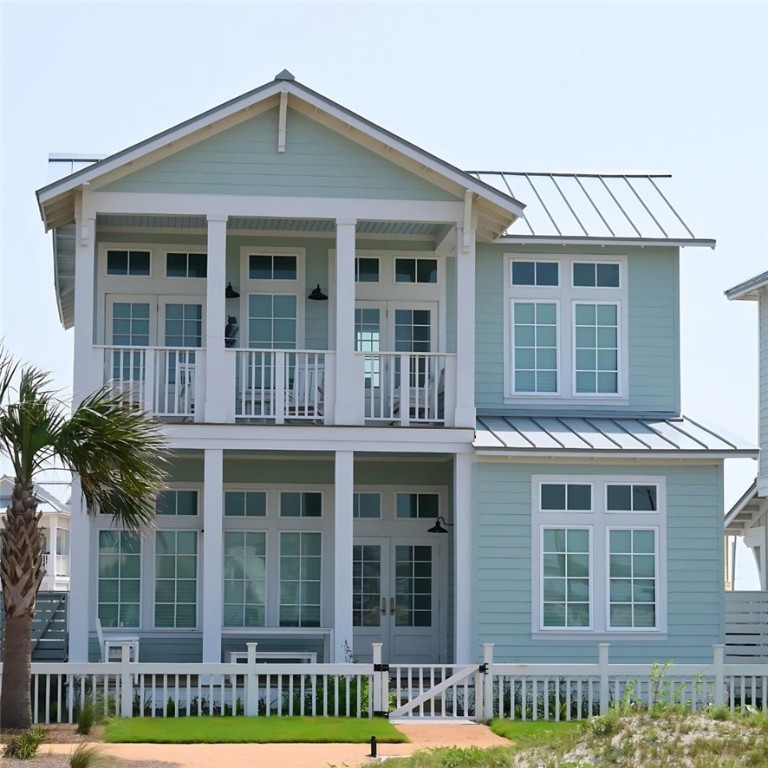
278, 385
56, 565
406, 387
164, 381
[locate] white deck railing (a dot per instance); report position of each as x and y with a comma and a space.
281, 385
746, 627
164, 381
405, 387
56, 565
475, 691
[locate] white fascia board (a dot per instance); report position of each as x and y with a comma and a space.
749, 496
618, 454
623, 242
138, 203
246, 437
749, 290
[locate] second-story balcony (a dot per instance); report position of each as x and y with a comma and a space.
276, 386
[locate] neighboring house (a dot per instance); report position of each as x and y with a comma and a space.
403, 406
749, 516
55, 525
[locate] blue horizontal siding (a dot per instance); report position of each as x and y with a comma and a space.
502, 586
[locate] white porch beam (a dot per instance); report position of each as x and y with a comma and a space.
462, 573
80, 588
346, 379
213, 554
178, 204
465, 328
342, 553
217, 398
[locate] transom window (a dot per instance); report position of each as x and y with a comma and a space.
186, 264
417, 505
566, 338
177, 503
134, 263
595, 275
304, 504
366, 269
265, 266
245, 504
415, 270
596, 552
535, 272
366, 505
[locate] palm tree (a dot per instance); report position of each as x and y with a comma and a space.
117, 454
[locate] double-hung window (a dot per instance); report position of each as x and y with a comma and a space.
566, 328
598, 554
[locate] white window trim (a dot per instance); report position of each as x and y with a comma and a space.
415, 257
105, 258
323, 567
186, 250
601, 521
565, 295
535, 260
198, 568
142, 540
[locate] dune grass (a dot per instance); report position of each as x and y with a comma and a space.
250, 730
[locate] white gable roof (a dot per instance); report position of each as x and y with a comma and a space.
750, 289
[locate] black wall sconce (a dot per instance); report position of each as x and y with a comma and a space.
230, 292
317, 294
440, 526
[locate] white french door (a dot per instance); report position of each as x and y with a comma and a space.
396, 598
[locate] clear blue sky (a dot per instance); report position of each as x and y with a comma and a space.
681, 87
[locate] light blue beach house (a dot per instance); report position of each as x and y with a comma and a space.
407, 403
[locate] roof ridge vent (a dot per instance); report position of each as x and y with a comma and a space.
285, 75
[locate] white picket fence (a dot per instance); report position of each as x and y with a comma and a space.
467, 691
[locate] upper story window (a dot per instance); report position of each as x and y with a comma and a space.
186, 264
535, 272
566, 328
266, 266
177, 503
415, 270
133, 263
366, 269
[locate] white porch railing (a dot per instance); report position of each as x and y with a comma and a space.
279, 385
407, 387
164, 381
56, 565
471, 691
746, 627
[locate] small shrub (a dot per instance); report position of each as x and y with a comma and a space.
24, 745
85, 719
604, 725
721, 712
85, 756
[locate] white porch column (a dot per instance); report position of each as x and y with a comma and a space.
218, 401
213, 553
88, 377
346, 379
462, 573
80, 588
342, 553
465, 328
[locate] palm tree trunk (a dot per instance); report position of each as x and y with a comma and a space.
21, 571
15, 700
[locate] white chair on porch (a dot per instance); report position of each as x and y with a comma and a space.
110, 646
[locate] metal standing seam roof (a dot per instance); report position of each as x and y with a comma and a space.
578, 435
593, 206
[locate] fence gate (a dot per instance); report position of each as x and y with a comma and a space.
443, 691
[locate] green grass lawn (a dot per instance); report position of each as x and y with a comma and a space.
533, 732
250, 730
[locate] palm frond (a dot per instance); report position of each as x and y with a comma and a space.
8, 368
118, 453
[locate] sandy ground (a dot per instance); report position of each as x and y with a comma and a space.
422, 736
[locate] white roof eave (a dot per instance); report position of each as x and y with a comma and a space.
750, 289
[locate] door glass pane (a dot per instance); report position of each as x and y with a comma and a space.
368, 339
366, 585
413, 330
413, 585
130, 328
272, 321
245, 582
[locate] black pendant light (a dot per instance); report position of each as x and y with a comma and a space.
317, 294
